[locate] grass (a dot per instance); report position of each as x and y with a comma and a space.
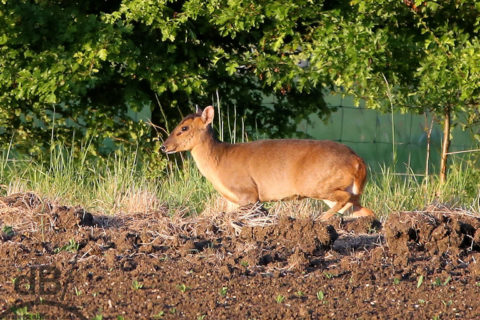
125, 184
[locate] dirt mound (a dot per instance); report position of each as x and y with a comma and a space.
235, 265
431, 233
291, 242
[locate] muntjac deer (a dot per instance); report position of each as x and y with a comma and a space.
270, 170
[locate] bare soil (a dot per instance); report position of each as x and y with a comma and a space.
63, 262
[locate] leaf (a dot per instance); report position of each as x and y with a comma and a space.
420, 281
102, 54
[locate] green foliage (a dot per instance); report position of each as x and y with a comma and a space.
223, 291
320, 295
136, 285
419, 281
279, 298
8, 231
72, 247
183, 287
85, 68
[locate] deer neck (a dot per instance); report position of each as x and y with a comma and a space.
208, 153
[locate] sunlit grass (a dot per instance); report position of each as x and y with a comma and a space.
123, 183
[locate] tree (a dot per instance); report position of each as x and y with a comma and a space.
81, 66
414, 56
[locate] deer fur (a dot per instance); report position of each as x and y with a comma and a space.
273, 170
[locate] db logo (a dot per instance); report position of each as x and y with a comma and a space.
42, 282
45, 278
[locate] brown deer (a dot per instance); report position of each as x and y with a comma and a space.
270, 170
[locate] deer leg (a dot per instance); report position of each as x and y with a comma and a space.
358, 210
341, 199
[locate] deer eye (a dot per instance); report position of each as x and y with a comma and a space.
184, 128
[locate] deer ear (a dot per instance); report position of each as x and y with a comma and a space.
207, 115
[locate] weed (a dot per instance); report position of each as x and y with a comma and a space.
23, 313
279, 298
447, 303
328, 275
299, 293
223, 291
72, 247
78, 292
419, 281
173, 310
8, 231
447, 280
183, 288
202, 317
320, 295
396, 281
437, 282
98, 317
159, 315
244, 263
137, 285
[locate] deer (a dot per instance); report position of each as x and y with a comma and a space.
273, 170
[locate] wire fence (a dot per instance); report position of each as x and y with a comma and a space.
386, 138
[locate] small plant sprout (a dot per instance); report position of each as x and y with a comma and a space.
223, 291
447, 280
78, 292
396, 281
72, 247
299, 293
279, 298
419, 281
328, 275
244, 263
320, 295
137, 285
201, 317
159, 315
8, 231
183, 288
437, 282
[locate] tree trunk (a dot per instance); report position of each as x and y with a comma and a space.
445, 145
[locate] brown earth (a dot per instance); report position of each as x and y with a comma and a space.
64, 263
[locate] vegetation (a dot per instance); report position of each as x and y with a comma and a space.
120, 184
95, 72
87, 68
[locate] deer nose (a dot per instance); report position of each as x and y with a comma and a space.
163, 148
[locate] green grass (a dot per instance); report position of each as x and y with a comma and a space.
118, 184
123, 183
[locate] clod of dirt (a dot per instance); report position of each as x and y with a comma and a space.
22, 200
348, 243
359, 225
305, 232
67, 218
435, 233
